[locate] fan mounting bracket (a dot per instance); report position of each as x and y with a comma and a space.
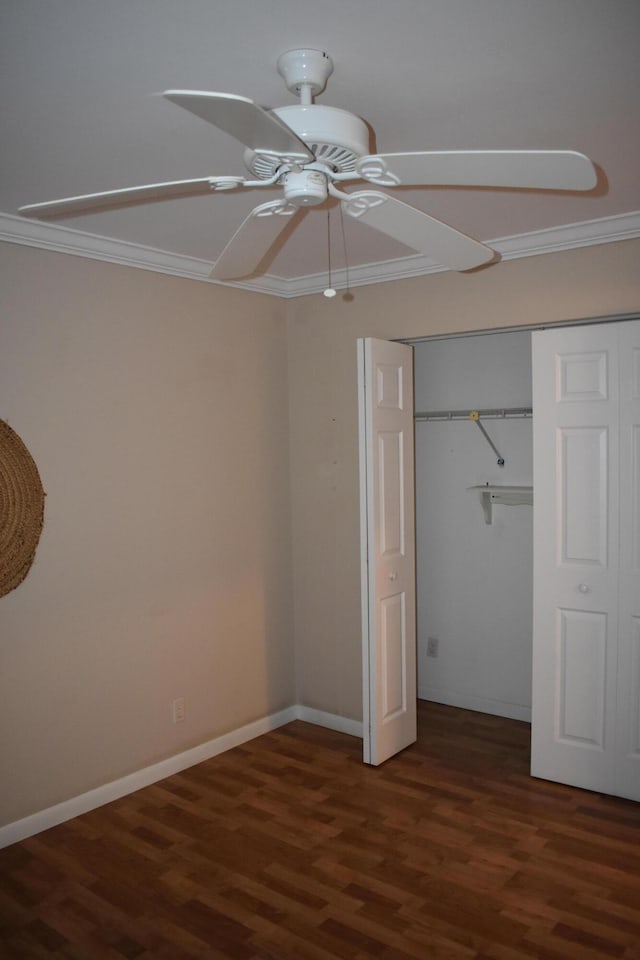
305, 70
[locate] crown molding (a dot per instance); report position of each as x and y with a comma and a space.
624, 226
47, 236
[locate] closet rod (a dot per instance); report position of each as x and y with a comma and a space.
503, 413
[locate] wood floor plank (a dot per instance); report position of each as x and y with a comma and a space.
289, 848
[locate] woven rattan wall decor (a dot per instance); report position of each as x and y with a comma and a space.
21, 509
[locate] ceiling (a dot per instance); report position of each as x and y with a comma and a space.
79, 114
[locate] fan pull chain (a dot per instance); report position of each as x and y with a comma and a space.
348, 295
329, 292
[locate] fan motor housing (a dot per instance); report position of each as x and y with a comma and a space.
335, 137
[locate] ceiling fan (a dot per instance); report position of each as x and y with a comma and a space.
311, 151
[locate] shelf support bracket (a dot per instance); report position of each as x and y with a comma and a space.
475, 416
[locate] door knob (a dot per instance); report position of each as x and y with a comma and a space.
393, 575
584, 588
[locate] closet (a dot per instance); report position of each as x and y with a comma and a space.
508, 599
474, 549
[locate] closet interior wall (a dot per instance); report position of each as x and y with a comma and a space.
474, 580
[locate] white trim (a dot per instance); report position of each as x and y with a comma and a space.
75, 806
588, 233
330, 720
58, 239
48, 236
367, 273
625, 226
499, 708
365, 471
554, 325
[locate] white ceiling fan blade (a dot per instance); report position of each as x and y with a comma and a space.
252, 240
418, 230
533, 169
112, 199
243, 119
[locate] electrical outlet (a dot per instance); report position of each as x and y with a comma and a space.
432, 646
178, 710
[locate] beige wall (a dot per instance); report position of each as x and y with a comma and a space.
590, 282
156, 410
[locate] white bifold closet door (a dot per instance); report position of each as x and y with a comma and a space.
387, 523
586, 631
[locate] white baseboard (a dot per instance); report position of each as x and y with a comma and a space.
499, 708
52, 816
330, 720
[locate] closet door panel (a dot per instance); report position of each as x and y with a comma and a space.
583, 527
575, 443
581, 682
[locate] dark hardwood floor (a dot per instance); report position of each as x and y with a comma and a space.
288, 848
